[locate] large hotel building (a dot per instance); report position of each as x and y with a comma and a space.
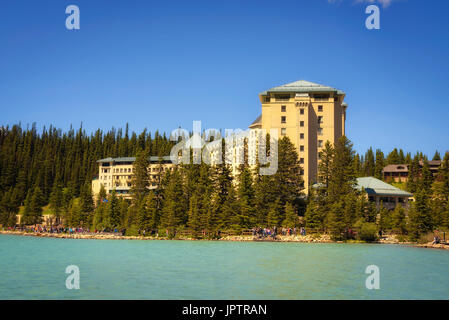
308, 113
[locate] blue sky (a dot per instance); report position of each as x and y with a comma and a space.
163, 64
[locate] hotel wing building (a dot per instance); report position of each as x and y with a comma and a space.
309, 114
306, 112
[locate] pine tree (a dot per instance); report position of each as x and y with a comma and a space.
275, 215
342, 179
419, 215
264, 195
325, 165
140, 177
87, 203
195, 222
288, 182
246, 196
380, 164
113, 211
385, 218
174, 213
33, 208
369, 163
426, 179
337, 224
314, 218
398, 219
56, 201
229, 210
9, 208
413, 175
291, 217
393, 157
436, 156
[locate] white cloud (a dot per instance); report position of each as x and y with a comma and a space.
384, 3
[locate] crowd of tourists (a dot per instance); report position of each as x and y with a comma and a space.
262, 233
63, 229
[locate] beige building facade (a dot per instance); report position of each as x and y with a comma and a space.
116, 174
309, 114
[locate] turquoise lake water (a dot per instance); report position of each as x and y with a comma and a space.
34, 268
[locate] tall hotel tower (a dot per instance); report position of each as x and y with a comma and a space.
309, 114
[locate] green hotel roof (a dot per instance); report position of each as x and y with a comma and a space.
302, 86
375, 186
153, 159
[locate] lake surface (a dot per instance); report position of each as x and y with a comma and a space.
34, 268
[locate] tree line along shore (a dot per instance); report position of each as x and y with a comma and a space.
55, 170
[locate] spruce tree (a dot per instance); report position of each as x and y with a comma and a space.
337, 223
369, 163
275, 214
229, 210
113, 211
419, 215
313, 216
246, 196
380, 164
33, 208
288, 182
398, 219
140, 178
174, 213
9, 208
291, 217
325, 165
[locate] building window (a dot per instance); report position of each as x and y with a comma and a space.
301, 160
301, 136
320, 143
320, 108
301, 111
301, 148
320, 119
283, 108
282, 97
320, 131
301, 123
321, 97
283, 119
283, 131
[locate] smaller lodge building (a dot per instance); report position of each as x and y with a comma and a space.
383, 193
399, 172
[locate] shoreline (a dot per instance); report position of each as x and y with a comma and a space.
280, 238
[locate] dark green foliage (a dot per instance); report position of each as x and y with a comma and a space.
53, 159
140, 178
174, 211
9, 207
291, 217
56, 168
33, 207
380, 164
398, 220
366, 231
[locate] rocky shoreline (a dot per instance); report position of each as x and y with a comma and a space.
280, 238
